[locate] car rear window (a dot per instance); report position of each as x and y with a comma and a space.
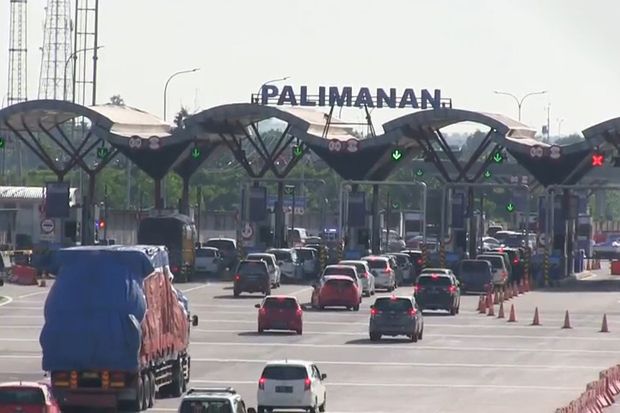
285, 373
221, 244
389, 304
282, 255
401, 259
206, 406
361, 268
339, 271
287, 303
474, 266
377, 264
205, 253
252, 267
305, 254
438, 280
21, 395
496, 261
339, 283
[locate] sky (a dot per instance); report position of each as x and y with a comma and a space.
467, 49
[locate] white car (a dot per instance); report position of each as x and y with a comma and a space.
289, 263
213, 399
291, 384
208, 260
385, 277
275, 272
363, 271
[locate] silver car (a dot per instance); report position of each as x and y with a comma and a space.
363, 271
396, 316
385, 277
272, 265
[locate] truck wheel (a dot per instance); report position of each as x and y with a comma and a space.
146, 394
153, 389
138, 404
178, 381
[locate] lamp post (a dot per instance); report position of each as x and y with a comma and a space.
74, 56
168, 81
519, 101
260, 89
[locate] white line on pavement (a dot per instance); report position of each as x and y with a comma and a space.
301, 290
195, 288
422, 385
31, 294
8, 300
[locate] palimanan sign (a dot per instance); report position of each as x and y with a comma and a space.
347, 96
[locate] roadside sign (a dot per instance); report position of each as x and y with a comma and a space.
248, 231
47, 225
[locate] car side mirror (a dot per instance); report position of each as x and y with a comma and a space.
323, 376
194, 320
251, 410
256, 305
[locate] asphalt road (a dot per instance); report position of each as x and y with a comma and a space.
466, 363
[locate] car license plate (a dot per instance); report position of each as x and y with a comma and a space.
284, 389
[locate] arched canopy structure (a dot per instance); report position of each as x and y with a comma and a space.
329, 138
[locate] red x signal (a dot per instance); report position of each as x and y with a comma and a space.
598, 159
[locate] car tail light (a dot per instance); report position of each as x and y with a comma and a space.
417, 288
60, 379
117, 379
73, 382
262, 311
237, 277
452, 289
419, 261
373, 312
412, 312
307, 383
174, 269
299, 312
515, 261
105, 379
261, 383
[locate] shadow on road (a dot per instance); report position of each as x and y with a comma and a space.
275, 333
241, 297
590, 286
389, 340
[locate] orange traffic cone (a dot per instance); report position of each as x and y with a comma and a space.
566, 320
536, 321
496, 298
481, 305
501, 310
512, 318
604, 328
491, 312
489, 301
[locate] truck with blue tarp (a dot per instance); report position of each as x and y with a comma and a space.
116, 331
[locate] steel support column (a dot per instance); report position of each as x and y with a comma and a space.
280, 235
184, 204
376, 224
159, 200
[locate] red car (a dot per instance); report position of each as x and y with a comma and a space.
339, 291
27, 397
280, 312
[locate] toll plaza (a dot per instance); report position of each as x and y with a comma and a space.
90, 137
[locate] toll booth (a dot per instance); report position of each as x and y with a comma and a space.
585, 233
358, 224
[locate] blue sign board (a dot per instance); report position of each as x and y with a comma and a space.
357, 209
300, 201
57, 200
347, 96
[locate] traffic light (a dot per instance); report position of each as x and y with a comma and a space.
297, 151
498, 157
2, 142
102, 152
510, 207
419, 173
598, 159
397, 154
101, 223
196, 152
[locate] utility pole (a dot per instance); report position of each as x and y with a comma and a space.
388, 212
548, 123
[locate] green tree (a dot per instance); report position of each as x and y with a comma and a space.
180, 117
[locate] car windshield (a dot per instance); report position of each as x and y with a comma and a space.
376, 264
220, 244
248, 267
305, 254
21, 395
280, 303
339, 271
285, 373
361, 268
393, 304
437, 280
202, 252
282, 255
206, 406
401, 259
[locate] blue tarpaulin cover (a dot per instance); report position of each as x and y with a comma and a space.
94, 310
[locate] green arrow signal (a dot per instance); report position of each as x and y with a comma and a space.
498, 157
395, 205
510, 207
2, 142
419, 172
102, 152
487, 174
196, 153
397, 154
297, 151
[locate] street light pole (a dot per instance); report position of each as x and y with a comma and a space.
74, 56
260, 89
519, 101
168, 81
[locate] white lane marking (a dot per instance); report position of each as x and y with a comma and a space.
421, 385
15, 307
31, 294
476, 336
301, 290
195, 288
8, 300
592, 275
